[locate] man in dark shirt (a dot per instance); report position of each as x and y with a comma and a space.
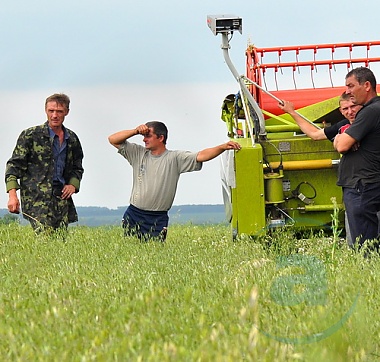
360, 166
349, 110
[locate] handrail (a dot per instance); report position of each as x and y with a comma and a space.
260, 61
315, 47
314, 63
256, 57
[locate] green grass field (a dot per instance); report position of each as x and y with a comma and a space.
199, 297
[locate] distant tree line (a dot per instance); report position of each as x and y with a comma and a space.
8, 219
96, 215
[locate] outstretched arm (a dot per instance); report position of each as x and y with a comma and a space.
210, 153
313, 132
118, 138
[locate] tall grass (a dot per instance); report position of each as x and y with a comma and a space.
199, 297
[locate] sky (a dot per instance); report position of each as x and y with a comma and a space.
125, 62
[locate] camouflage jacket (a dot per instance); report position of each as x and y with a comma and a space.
32, 163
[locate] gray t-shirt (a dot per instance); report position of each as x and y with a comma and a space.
155, 178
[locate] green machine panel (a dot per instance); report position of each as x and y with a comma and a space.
248, 202
288, 182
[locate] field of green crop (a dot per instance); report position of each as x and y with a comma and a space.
199, 297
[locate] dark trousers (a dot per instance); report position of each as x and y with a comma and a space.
363, 204
351, 198
145, 224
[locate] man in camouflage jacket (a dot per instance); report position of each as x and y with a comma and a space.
34, 164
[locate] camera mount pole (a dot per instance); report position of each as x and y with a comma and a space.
241, 80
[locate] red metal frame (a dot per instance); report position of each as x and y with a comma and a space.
256, 68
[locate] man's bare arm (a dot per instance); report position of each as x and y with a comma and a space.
311, 131
120, 137
344, 142
210, 153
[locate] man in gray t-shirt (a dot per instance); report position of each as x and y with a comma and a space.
156, 171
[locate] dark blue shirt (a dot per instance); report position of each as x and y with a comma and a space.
59, 155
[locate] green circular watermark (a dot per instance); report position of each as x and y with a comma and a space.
304, 284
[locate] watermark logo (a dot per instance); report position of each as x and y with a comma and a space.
306, 285
309, 286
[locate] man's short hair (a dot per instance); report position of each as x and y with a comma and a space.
362, 75
159, 129
344, 97
60, 98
